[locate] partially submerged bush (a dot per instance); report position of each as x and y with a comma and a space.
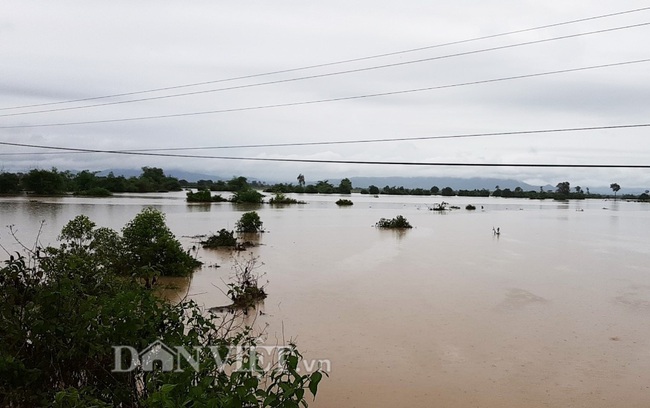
440, 207
204, 196
344, 202
283, 199
223, 238
247, 196
246, 291
151, 246
397, 222
470, 207
249, 222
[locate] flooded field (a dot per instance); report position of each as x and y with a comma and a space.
552, 312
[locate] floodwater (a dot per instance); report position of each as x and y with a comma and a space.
555, 311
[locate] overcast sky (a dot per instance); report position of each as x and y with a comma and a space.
68, 50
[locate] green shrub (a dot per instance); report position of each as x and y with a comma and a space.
282, 199
204, 196
344, 202
249, 222
397, 223
63, 314
223, 238
470, 207
247, 196
152, 248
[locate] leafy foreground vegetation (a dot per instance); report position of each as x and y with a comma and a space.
64, 309
398, 222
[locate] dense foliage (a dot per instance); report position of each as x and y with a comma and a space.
321, 187
223, 238
49, 182
280, 198
204, 196
153, 179
249, 222
62, 311
247, 196
398, 222
151, 249
344, 202
9, 183
235, 184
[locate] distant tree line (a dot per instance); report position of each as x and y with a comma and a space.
234, 184
153, 179
53, 182
321, 187
243, 191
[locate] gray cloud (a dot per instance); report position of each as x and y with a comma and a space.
82, 50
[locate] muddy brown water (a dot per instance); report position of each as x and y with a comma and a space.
553, 312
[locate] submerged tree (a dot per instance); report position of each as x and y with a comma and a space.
247, 196
9, 183
223, 238
563, 189
345, 187
249, 222
45, 182
151, 247
615, 188
398, 222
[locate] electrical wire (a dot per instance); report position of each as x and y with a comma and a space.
342, 142
319, 101
334, 63
322, 161
330, 74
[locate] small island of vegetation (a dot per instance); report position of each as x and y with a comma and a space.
204, 196
280, 198
398, 222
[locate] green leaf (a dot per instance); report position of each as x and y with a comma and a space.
314, 379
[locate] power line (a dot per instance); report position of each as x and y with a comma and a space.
406, 139
340, 142
350, 71
360, 162
345, 98
333, 63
